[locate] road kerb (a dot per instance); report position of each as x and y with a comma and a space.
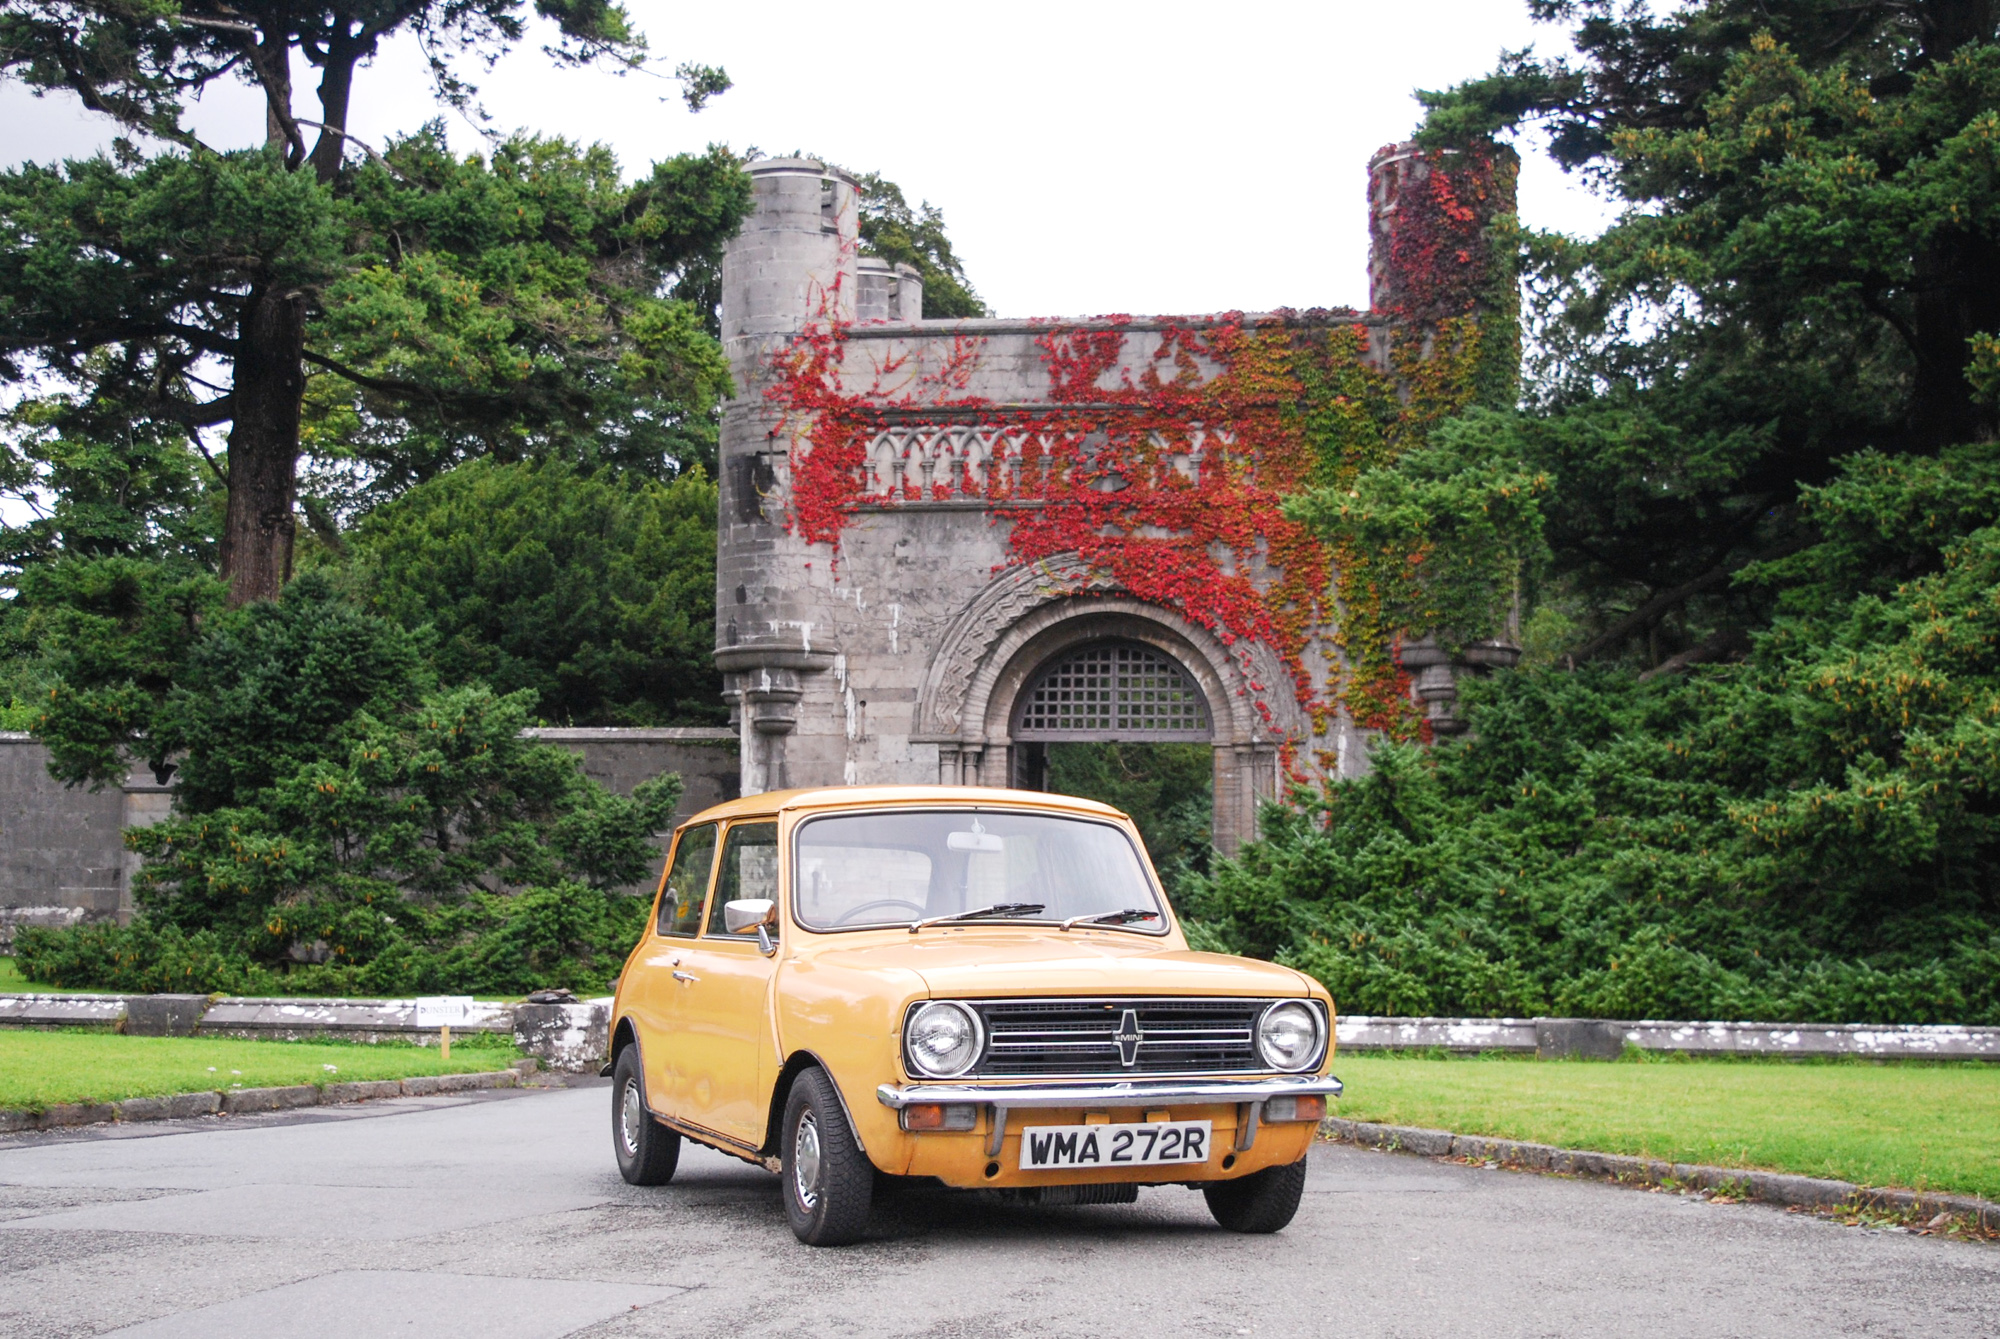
239, 1101
1809, 1192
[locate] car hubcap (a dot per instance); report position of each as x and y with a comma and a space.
630, 1113
805, 1161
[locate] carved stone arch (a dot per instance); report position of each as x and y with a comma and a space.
997, 607
1060, 626
1247, 673
1029, 616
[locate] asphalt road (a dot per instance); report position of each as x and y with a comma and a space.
501, 1216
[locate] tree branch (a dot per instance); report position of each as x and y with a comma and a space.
1727, 641
408, 389
1646, 613
224, 25
88, 339
1902, 327
323, 526
1654, 608
221, 470
356, 140
194, 414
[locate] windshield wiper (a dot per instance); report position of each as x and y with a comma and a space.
1125, 917
997, 909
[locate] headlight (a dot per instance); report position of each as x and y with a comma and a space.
943, 1040
1288, 1036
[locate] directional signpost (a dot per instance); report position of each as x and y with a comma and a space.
440, 1012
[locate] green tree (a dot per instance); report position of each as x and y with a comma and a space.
1808, 265
1168, 789
194, 288
340, 823
595, 590
1809, 836
893, 230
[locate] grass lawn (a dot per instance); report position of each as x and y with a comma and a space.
1912, 1124
41, 1068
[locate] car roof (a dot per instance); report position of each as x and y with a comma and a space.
851, 797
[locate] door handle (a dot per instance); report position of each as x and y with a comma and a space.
686, 978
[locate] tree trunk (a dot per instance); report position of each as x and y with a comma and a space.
1957, 296
264, 446
1947, 25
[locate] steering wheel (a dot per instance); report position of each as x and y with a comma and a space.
881, 902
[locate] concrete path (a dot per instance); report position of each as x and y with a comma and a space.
500, 1216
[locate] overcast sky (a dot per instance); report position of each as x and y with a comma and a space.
1089, 156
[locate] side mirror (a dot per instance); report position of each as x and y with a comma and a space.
748, 914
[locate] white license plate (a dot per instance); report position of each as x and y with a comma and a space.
1049, 1146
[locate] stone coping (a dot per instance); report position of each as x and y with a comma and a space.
1809, 1192
573, 1036
1605, 1038
632, 734
240, 1101
1550, 1037
1014, 325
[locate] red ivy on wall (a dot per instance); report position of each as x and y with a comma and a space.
1169, 478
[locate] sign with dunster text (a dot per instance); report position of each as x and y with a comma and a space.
443, 1010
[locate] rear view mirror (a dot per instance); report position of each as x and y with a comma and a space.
743, 916
974, 841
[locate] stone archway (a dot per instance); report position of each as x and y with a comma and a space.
1031, 617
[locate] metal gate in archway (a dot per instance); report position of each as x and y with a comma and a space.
1102, 692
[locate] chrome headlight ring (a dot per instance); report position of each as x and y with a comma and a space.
942, 1039
1291, 1036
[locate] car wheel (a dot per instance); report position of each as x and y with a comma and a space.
828, 1180
1260, 1202
647, 1151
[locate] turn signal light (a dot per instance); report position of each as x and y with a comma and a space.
940, 1116
1279, 1109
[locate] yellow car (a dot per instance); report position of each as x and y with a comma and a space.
981, 987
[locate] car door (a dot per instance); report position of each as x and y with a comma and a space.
658, 987
725, 1036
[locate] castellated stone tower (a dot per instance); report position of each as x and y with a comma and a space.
946, 545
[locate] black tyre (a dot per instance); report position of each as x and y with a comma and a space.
1260, 1202
647, 1151
829, 1182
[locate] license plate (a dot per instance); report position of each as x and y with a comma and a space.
1049, 1146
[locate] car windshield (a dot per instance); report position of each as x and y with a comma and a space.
896, 867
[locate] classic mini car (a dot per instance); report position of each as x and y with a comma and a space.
983, 988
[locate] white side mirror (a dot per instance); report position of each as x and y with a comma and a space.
747, 914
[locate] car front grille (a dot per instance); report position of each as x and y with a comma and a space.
1083, 1037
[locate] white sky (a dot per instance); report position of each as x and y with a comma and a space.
1089, 156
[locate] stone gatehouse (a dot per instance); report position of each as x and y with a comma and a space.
945, 545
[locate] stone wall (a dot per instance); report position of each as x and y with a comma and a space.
898, 658
62, 853
62, 857
619, 759
877, 621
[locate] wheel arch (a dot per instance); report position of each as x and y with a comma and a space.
800, 1062
623, 1034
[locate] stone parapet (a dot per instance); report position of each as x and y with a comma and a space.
574, 1037
1596, 1038
62, 1010
294, 1019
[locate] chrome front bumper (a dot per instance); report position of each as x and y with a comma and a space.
1136, 1093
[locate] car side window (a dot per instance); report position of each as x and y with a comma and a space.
749, 869
687, 882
